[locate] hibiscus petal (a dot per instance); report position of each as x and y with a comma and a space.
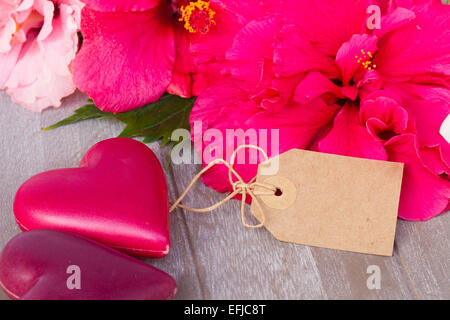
122, 5
412, 3
284, 88
7, 27
229, 20
369, 83
349, 138
208, 51
432, 159
298, 124
126, 59
396, 19
8, 61
205, 76
424, 195
251, 48
293, 54
209, 106
415, 49
326, 23
428, 106
46, 9
347, 56
181, 83
377, 128
315, 85
386, 110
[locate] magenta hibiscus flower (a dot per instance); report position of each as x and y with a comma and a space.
135, 50
313, 70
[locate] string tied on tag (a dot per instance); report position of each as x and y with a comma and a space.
239, 187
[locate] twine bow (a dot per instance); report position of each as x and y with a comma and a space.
239, 187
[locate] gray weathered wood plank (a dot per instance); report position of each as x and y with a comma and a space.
424, 251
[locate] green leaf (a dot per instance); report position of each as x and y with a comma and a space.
159, 118
155, 121
163, 131
89, 111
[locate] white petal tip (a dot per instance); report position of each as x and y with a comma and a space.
445, 129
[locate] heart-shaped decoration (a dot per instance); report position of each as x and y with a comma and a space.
53, 265
118, 196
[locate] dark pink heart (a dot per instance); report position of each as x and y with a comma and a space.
118, 196
53, 265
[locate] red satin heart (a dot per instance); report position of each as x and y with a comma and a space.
118, 196
54, 265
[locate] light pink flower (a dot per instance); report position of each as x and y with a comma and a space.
134, 51
38, 41
315, 72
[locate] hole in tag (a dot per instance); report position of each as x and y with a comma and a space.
285, 193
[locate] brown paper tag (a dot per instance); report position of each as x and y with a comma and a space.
332, 201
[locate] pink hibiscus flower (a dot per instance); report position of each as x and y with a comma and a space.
38, 41
314, 71
134, 51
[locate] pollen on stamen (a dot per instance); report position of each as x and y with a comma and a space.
197, 16
366, 60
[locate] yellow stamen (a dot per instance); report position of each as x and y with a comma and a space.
194, 8
366, 60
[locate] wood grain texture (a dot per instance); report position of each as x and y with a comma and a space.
213, 256
423, 249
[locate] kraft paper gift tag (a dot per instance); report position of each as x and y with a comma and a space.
332, 201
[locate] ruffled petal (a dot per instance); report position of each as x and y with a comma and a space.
208, 51
315, 85
388, 111
252, 50
424, 195
8, 60
414, 49
369, 83
396, 19
293, 54
432, 158
7, 25
126, 59
349, 137
326, 23
428, 106
46, 9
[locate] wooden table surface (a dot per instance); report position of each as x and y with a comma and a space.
213, 256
